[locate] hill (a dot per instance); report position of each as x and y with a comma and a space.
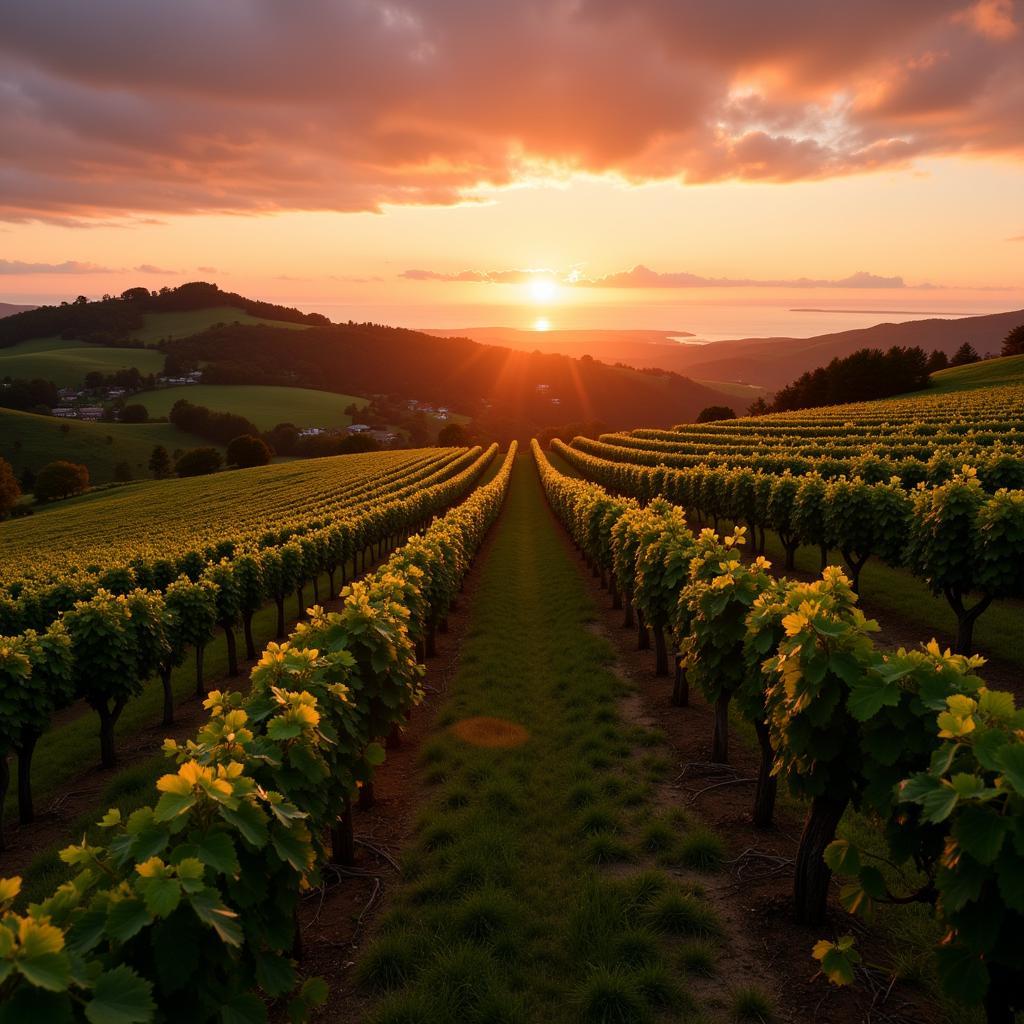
774, 362
30, 441
265, 406
767, 362
10, 308
987, 373
122, 319
66, 362
512, 393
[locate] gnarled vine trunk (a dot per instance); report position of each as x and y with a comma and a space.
767, 784
810, 881
720, 737
26, 748
660, 652
681, 688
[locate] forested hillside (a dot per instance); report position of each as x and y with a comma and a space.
512, 391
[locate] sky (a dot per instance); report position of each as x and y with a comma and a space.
664, 163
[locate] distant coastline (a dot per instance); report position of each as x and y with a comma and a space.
879, 312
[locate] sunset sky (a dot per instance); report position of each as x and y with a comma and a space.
465, 162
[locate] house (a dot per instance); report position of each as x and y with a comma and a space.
64, 412
66, 394
543, 387
384, 437
90, 412
312, 432
357, 428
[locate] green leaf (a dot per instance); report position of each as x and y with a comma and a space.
313, 993
290, 848
211, 911
868, 695
120, 996
374, 754
275, 974
162, 894
837, 960
51, 971
126, 918
842, 857
170, 805
217, 851
246, 1008
1011, 761
283, 729
980, 832
249, 821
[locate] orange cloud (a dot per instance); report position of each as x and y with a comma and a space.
643, 277
110, 110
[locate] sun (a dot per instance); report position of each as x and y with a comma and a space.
542, 289
542, 323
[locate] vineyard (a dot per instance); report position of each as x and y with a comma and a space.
553, 864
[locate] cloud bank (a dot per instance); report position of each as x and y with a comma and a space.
110, 109
643, 277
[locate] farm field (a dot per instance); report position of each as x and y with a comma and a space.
584, 829
165, 517
264, 406
31, 441
67, 362
160, 326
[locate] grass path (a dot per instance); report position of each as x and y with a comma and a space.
531, 891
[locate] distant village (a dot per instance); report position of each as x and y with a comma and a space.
85, 404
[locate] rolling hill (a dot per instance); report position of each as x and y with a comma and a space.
66, 362
30, 441
10, 308
512, 393
767, 362
264, 406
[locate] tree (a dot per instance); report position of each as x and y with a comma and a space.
712, 413
825, 651
966, 544
198, 462
10, 491
454, 435
965, 355
193, 607
1013, 343
283, 438
246, 450
160, 462
123, 472
134, 413
758, 407
228, 606
251, 594
938, 360
61, 479
105, 665
720, 593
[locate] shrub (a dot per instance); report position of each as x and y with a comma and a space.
61, 479
10, 491
198, 462
245, 451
